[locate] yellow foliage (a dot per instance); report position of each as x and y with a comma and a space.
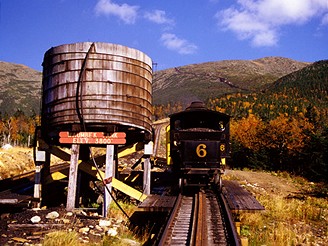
246, 104
282, 132
286, 132
218, 109
247, 131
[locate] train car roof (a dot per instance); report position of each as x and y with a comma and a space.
199, 108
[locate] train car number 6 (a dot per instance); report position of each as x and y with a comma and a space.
201, 150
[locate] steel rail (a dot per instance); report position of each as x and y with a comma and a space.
210, 222
230, 220
170, 221
201, 230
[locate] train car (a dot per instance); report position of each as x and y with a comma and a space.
198, 145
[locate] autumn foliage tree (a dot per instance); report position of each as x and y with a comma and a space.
287, 138
17, 129
278, 144
248, 132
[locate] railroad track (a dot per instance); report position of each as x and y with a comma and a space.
157, 134
201, 219
18, 190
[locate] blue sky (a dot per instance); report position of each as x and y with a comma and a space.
172, 32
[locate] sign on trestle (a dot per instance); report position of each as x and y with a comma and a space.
92, 138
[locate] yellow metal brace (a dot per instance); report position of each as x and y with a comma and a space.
90, 169
168, 143
130, 149
119, 185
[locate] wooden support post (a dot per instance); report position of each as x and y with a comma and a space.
82, 182
147, 167
146, 176
40, 159
109, 175
37, 181
72, 184
42, 171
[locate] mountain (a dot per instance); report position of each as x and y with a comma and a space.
309, 85
212, 79
20, 89
308, 80
20, 86
300, 93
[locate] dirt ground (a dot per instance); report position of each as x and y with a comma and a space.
18, 160
265, 182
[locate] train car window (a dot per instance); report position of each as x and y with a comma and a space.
177, 125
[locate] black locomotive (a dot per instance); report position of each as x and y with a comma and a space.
198, 145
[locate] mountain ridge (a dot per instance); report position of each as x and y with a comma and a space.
20, 89
20, 86
204, 80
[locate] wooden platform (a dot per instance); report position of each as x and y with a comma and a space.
238, 198
157, 203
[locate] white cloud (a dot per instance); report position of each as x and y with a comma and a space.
159, 17
127, 13
182, 46
260, 20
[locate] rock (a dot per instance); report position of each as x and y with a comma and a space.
84, 230
69, 214
83, 213
119, 221
35, 219
95, 214
126, 241
52, 215
66, 221
7, 146
84, 240
104, 223
98, 228
112, 232
94, 233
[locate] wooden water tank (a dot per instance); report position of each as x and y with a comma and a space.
98, 85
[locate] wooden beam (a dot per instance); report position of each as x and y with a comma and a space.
146, 176
148, 151
109, 175
72, 179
